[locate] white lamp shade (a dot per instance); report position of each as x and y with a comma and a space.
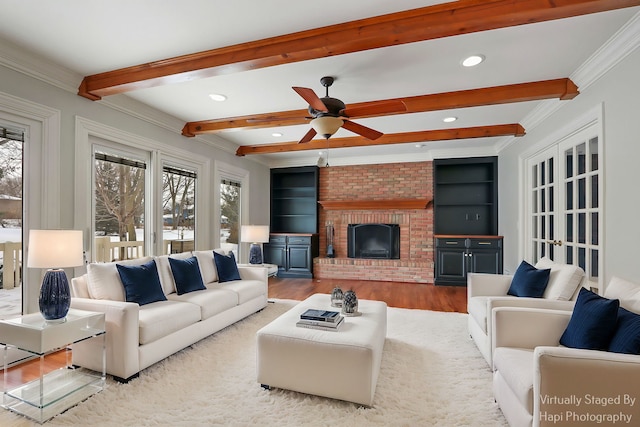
254, 233
326, 125
55, 248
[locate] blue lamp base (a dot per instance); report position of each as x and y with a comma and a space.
55, 296
255, 254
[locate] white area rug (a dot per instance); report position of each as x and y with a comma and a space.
431, 375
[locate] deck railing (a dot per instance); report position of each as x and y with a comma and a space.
106, 251
11, 264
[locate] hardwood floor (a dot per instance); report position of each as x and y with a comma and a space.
395, 294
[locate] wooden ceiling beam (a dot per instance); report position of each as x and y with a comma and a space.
427, 23
514, 129
533, 91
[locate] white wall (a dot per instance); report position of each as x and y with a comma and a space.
618, 91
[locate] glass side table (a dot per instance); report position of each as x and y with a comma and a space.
56, 391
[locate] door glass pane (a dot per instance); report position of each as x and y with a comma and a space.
10, 223
551, 170
594, 228
543, 200
569, 195
581, 258
568, 156
594, 263
551, 207
535, 201
594, 191
534, 176
543, 227
569, 228
569, 255
593, 154
543, 180
582, 228
552, 234
582, 158
582, 194
119, 207
230, 216
542, 249
534, 224
178, 209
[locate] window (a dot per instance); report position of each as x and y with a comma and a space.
159, 180
179, 208
230, 202
119, 208
11, 195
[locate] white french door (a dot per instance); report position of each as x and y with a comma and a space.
564, 185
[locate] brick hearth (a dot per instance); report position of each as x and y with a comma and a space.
380, 183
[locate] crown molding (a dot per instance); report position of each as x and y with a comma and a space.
614, 50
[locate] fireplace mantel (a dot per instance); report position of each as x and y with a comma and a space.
375, 204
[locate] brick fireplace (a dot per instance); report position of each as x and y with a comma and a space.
396, 193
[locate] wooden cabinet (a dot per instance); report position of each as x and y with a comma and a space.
292, 253
458, 255
294, 200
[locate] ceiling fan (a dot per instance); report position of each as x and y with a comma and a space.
330, 114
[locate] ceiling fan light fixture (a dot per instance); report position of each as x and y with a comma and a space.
473, 60
326, 125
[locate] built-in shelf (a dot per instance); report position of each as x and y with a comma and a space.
375, 204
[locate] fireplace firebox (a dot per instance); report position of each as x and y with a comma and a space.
373, 241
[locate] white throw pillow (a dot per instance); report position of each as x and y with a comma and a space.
164, 271
627, 292
563, 280
104, 280
207, 265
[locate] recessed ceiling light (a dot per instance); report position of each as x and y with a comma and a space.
449, 119
473, 60
276, 134
217, 97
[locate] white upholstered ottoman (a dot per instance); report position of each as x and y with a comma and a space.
342, 364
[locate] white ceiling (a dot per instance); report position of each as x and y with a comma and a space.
93, 37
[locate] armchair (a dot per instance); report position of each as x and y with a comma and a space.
488, 291
538, 382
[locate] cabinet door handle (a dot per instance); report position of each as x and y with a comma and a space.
484, 243
451, 243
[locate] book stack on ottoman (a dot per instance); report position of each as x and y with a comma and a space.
342, 364
326, 320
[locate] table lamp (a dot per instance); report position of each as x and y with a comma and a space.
55, 250
255, 234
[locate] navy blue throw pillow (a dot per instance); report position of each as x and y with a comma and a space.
186, 274
226, 266
592, 322
141, 283
626, 337
528, 281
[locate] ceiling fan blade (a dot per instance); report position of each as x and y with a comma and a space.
361, 130
308, 136
374, 109
310, 96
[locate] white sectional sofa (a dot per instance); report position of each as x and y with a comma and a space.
139, 335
